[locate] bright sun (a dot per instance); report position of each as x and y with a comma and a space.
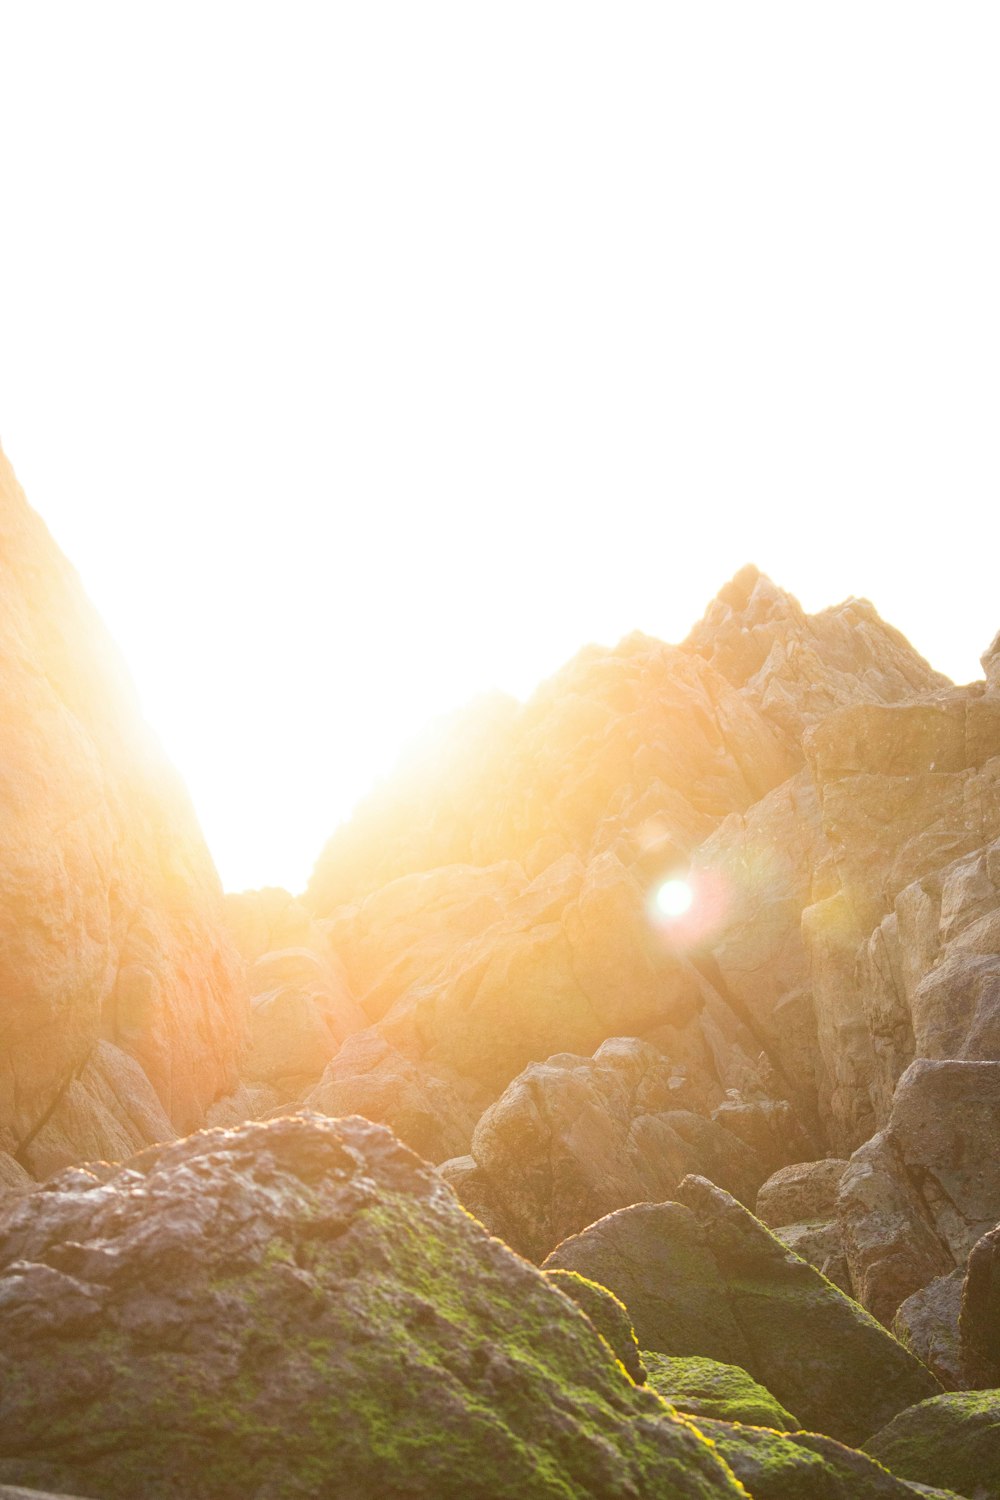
674, 898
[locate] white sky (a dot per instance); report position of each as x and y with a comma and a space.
364, 356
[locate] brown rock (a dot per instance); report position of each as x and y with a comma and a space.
110, 909
574, 1138
915, 1198
818, 1241
927, 1323
979, 1316
803, 1191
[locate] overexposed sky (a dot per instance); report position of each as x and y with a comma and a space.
365, 356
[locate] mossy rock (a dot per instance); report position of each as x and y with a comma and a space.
609, 1316
951, 1440
301, 1308
806, 1466
706, 1388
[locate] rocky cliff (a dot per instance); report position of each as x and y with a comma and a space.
122, 997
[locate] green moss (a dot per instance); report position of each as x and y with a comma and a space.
706, 1388
951, 1440
803, 1465
609, 1316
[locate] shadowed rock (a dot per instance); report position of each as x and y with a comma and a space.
302, 1308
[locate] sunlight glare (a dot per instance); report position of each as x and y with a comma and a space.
674, 898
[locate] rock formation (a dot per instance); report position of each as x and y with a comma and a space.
122, 1003
301, 1308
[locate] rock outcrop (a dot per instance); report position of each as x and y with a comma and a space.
952, 1441
122, 1003
300, 1308
574, 1138
704, 1277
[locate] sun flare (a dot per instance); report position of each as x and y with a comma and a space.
674, 898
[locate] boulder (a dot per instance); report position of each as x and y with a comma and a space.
111, 917
704, 1277
818, 1241
806, 1466
657, 1261
574, 1138
432, 1112
915, 1198
798, 668
704, 1388
979, 1313
952, 1441
301, 1010
804, 1191
301, 1308
927, 1324
812, 1347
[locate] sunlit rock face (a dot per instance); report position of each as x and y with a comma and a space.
122, 1005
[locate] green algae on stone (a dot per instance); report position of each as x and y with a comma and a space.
951, 1440
805, 1466
609, 1316
705, 1388
300, 1308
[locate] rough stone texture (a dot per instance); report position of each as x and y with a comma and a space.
951, 1440
704, 1277
806, 1466
979, 1313
655, 1258
705, 1388
813, 1348
572, 959
819, 1243
574, 1138
609, 1316
13, 1177
301, 1308
643, 742
915, 1199
806, 1190
111, 925
798, 668
927, 1323
301, 1012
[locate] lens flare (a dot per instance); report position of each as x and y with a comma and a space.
674, 898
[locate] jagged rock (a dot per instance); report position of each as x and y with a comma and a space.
432, 1112
798, 668
927, 1323
768, 1126
803, 1191
952, 1441
705, 1388
806, 1466
109, 1109
644, 743
13, 1177
991, 664
574, 1138
979, 1313
111, 922
271, 920
300, 1308
573, 960
301, 1010
765, 858
608, 1315
915, 1198
812, 1346
705, 1277
818, 1241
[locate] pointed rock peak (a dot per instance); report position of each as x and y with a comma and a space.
991, 664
